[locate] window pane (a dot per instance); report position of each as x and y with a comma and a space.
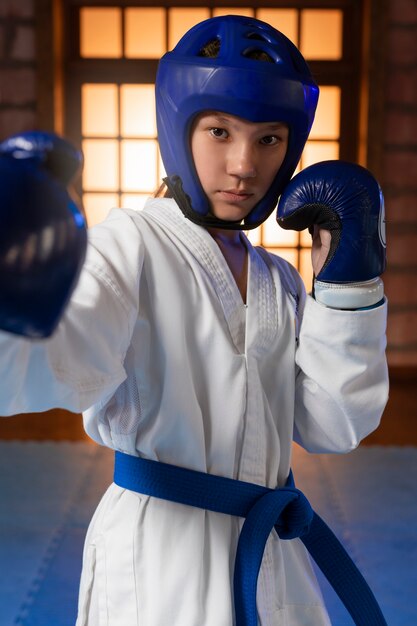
100, 165
99, 110
289, 254
274, 235
139, 160
321, 34
254, 236
137, 104
305, 238
327, 121
162, 173
134, 200
306, 269
101, 32
97, 206
316, 151
145, 33
233, 11
181, 20
284, 20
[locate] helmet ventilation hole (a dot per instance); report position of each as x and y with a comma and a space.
211, 49
256, 36
257, 55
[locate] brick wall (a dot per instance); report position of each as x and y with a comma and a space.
17, 66
400, 180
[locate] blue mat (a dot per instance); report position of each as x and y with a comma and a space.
49, 492
369, 498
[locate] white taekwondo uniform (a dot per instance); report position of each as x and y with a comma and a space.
167, 362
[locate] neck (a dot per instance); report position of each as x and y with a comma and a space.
232, 246
227, 237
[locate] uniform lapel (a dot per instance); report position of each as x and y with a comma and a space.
206, 252
262, 316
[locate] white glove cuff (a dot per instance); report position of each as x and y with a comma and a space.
349, 295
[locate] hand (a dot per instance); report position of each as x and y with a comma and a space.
42, 232
320, 248
55, 154
342, 205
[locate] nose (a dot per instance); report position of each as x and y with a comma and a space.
242, 161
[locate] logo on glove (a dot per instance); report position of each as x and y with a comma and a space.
381, 222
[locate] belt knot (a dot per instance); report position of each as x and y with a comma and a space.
296, 517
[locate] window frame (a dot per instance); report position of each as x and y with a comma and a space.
341, 73
367, 21
360, 74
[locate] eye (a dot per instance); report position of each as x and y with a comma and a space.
219, 133
270, 140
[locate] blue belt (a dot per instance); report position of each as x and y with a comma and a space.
285, 509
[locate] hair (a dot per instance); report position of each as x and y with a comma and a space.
162, 191
211, 50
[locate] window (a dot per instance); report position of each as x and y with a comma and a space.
110, 103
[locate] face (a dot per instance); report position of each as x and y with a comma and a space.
236, 160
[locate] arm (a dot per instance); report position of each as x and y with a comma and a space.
63, 342
342, 379
82, 362
342, 382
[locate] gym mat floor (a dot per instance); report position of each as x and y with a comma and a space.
49, 491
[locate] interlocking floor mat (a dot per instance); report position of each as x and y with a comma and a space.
49, 492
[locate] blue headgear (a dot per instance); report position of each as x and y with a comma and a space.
189, 83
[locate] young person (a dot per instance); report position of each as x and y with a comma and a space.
183, 344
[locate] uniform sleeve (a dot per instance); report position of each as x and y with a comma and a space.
82, 363
342, 376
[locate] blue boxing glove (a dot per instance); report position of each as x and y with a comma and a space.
53, 153
43, 236
346, 200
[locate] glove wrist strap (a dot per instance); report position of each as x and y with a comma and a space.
349, 295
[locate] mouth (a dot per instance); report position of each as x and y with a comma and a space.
235, 196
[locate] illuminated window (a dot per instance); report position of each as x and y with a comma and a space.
145, 32
181, 20
120, 148
321, 34
101, 32
285, 20
114, 64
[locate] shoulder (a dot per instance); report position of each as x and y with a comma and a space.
121, 222
161, 209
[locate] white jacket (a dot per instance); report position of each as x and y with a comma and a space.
165, 360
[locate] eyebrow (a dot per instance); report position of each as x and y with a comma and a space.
268, 126
276, 126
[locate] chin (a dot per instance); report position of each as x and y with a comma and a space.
230, 214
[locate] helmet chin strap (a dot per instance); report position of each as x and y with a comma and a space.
174, 184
